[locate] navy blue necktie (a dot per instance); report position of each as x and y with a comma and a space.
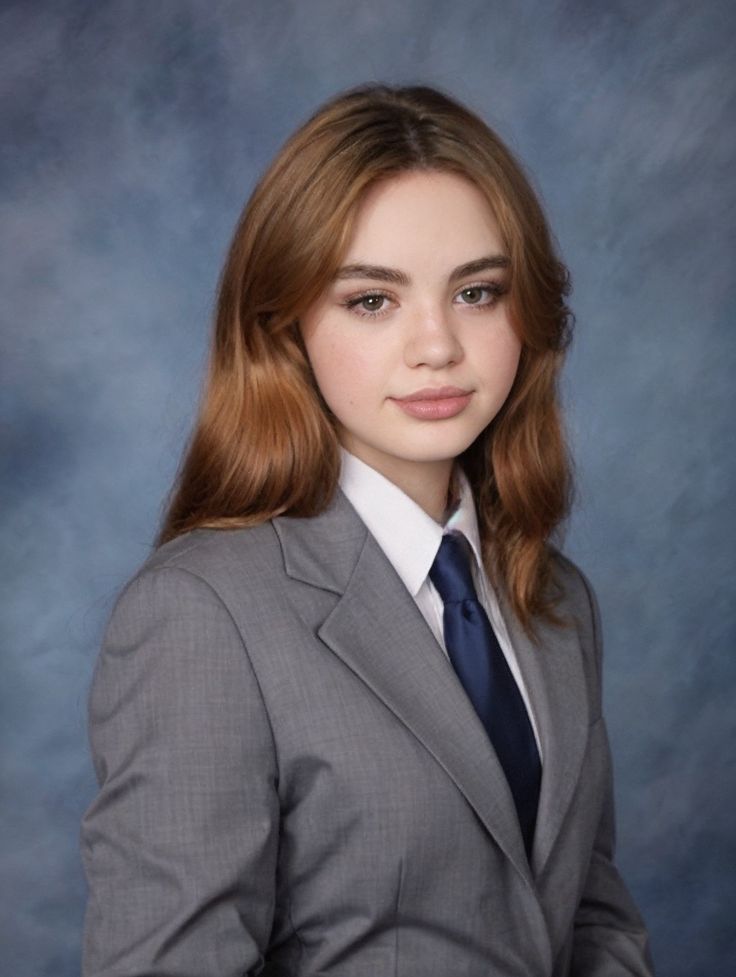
486, 677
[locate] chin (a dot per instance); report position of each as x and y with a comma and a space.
440, 449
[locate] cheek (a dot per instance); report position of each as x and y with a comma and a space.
500, 355
338, 369
510, 360
343, 368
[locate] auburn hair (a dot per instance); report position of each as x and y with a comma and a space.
264, 443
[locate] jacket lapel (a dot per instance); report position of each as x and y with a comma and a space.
377, 630
552, 668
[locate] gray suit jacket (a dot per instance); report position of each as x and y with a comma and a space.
293, 782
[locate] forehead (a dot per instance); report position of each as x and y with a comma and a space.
423, 215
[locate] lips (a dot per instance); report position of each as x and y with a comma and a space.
433, 393
434, 403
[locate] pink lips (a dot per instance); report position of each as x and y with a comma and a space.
435, 403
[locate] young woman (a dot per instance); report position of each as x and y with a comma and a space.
347, 718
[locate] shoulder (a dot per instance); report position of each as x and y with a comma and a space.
211, 552
321, 549
571, 584
217, 557
182, 615
575, 598
205, 574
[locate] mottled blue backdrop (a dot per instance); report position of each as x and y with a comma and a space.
132, 132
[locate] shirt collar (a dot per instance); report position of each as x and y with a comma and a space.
407, 535
464, 518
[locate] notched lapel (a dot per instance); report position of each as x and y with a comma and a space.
323, 550
378, 631
552, 669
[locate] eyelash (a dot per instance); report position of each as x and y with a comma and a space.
496, 290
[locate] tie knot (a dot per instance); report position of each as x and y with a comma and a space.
450, 571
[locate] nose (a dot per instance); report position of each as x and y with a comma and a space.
432, 340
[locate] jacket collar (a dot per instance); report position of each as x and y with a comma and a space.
376, 629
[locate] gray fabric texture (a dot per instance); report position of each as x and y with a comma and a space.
293, 781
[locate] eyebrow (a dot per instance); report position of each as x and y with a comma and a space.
393, 276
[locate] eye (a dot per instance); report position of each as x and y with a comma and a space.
483, 294
369, 304
372, 303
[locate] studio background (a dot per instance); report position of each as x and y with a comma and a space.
132, 134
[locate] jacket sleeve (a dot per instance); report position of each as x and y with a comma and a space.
180, 845
610, 939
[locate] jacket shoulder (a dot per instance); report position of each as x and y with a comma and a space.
243, 566
576, 600
572, 585
213, 553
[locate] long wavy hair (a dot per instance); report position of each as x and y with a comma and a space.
264, 444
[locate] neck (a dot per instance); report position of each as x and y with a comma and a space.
425, 482
430, 490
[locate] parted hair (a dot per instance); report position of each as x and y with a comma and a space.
264, 444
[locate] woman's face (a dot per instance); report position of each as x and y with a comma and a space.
411, 345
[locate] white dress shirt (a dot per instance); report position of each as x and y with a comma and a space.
410, 539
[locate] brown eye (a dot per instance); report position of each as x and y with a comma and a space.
373, 303
474, 295
483, 295
369, 305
